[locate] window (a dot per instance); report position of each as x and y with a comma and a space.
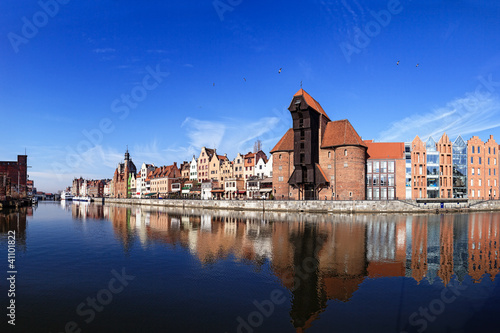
383, 166
478, 171
345, 164
489, 150
473, 149
369, 167
472, 171
329, 166
472, 193
478, 193
350, 194
488, 161
471, 160
390, 166
479, 152
280, 179
420, 170
383, 180
390, 194
280, 167
376, 166
329, 154
369, 194
278, 157
472, 182
391, 180
479, 182
345, 154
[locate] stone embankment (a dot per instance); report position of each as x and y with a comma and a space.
320, 206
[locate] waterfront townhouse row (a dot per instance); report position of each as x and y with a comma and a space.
222, 177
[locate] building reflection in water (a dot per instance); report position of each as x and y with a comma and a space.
322, 257
15, 220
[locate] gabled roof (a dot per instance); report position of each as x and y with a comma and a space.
311, 102
385, 150
340, 133
286, 142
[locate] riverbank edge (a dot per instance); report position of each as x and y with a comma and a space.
14, 204
319, 206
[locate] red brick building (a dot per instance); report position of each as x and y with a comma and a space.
318, 158
120, 182
13, 177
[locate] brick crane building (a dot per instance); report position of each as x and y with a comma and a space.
318, 158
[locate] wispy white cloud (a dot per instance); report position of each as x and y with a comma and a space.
230, 136
475, 112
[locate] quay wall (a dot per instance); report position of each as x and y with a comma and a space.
319, 206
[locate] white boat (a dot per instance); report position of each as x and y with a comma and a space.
66, 196
82, 199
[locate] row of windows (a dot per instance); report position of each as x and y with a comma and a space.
480, 160
472, 193
383, 180
380, 193
379, 166
479, 150
480, 182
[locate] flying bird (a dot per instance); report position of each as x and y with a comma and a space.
214, 84
416, 66
245, 79
397, 63
279, 72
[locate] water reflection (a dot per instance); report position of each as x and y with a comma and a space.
320, 257
15, 220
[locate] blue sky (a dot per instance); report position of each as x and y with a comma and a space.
81, 80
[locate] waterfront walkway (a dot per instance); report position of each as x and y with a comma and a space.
322, 206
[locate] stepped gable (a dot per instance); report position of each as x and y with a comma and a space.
311, 102
286, 142
341, 133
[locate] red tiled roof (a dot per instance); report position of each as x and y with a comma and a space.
311, 102
341, 133
385, 150
286, 142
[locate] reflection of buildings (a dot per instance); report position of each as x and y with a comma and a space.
483, 245
324, 257
15, 220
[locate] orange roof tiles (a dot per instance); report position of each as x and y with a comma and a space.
341, 133
286, 142
385, 150
311, 102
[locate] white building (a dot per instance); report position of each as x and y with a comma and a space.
264, 168
193, 172
142, 185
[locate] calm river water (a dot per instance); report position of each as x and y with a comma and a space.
92, 268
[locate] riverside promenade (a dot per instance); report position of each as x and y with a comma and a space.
322, 206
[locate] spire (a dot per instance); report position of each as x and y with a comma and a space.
127, 155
